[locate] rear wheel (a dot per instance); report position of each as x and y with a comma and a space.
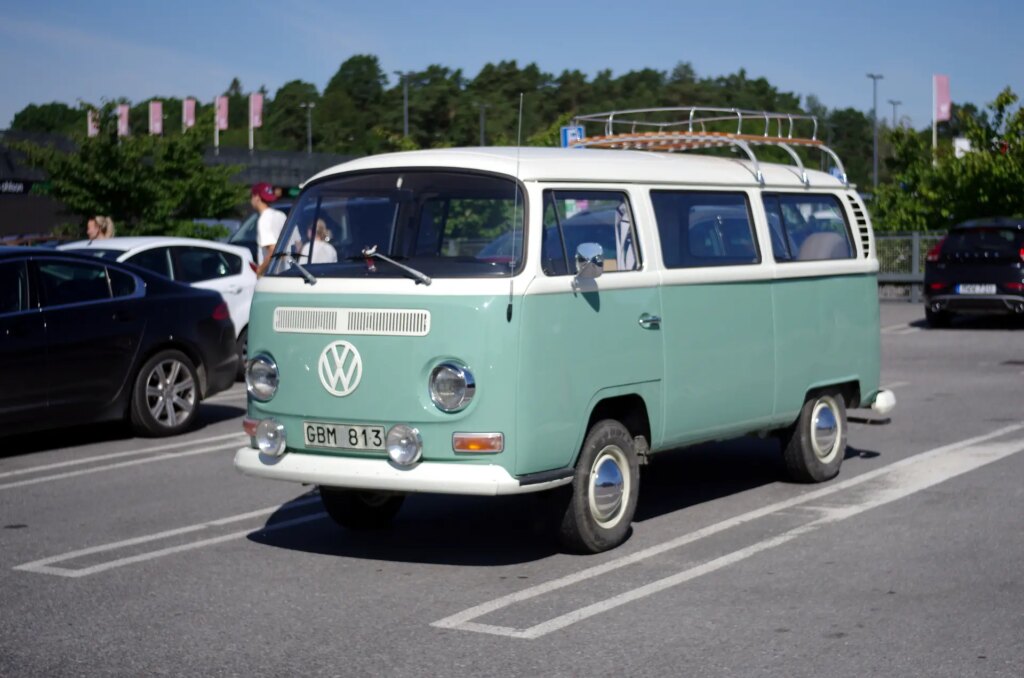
604, 490
361, 509
814, 447
937, 318
165, 395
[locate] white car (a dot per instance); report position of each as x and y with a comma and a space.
228, 269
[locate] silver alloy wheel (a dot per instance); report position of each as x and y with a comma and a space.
170, 393
825, 429
609, 486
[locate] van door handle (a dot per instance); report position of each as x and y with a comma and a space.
648, 321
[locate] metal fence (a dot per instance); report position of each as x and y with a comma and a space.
901, 263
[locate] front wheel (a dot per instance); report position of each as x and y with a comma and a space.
242, 349
165, 395
814, 447
604, 490
360, 509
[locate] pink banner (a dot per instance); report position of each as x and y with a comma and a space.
92, 125
156, 117
943, 104
256, 110
188, 113
122, 120
221, 116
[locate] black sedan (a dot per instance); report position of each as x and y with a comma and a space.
83, 340
977, 268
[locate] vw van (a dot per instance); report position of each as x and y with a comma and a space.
516, 320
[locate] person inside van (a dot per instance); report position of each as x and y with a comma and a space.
323, 251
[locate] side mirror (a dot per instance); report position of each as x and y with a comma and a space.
589, 260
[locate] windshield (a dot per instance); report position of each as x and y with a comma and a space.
446, 224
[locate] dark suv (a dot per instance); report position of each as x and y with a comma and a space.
977, 268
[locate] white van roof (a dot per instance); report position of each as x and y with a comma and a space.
595, 165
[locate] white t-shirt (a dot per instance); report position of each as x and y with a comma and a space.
323, 253
268, 227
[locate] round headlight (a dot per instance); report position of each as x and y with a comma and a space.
452, 387
270, 437
404, 445
261, 377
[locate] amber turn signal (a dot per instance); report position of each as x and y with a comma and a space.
478, 442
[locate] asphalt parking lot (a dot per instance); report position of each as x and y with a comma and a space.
127, 556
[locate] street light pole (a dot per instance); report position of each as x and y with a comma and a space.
875, 77
894, 105
405, 101
309, 106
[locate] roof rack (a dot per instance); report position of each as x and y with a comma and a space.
687, 128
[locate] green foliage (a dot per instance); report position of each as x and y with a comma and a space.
148, 184
54, 117
987, 182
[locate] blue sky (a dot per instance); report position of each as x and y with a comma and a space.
75, 50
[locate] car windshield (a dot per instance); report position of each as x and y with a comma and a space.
1000, 241
446, 224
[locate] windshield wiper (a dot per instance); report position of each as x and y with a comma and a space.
419, 277
306, 275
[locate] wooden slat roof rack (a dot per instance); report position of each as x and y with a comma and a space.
687, 128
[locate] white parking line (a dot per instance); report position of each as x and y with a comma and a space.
45, 566
114, 455
124, 464
902, 478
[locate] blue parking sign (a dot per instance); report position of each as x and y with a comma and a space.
571, 134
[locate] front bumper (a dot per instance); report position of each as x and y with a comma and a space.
380, 474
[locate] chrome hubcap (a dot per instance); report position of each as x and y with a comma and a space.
608, 486
825, 429
170, 393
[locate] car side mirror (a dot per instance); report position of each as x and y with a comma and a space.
589, 260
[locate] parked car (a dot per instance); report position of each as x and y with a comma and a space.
228, 269
86, 340
977, 268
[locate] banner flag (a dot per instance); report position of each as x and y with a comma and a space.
156, 117
92, 125
256, 110
122, 120
222, 113
943, 104
188, 113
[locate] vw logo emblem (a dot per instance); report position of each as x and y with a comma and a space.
340, 368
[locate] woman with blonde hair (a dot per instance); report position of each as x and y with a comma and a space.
100, 228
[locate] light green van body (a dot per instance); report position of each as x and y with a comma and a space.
737, 350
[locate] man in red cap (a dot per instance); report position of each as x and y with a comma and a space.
268, 224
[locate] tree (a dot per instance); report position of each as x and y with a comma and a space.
351, 106
986, 182
148, 184
286, 119
54, 117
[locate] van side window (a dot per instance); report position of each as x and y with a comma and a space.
572, 218
704, 229
807, 227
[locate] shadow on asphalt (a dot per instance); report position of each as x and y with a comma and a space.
495, 531
975, 322
109, 431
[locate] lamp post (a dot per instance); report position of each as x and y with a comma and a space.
309, 106
894, 105
404, 75
483, 107
875, 77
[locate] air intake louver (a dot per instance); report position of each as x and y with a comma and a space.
381, 321
863, 233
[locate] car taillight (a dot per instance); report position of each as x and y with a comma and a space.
255, 268
1021, 254
221, 312
933, 253
937, 287
1015, 286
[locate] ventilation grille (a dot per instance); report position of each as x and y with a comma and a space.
381, 321
863, 232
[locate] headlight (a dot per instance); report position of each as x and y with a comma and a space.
452, 387
261, 377
404, 445
270, 437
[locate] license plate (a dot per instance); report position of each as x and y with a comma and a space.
975, 289
343, 436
